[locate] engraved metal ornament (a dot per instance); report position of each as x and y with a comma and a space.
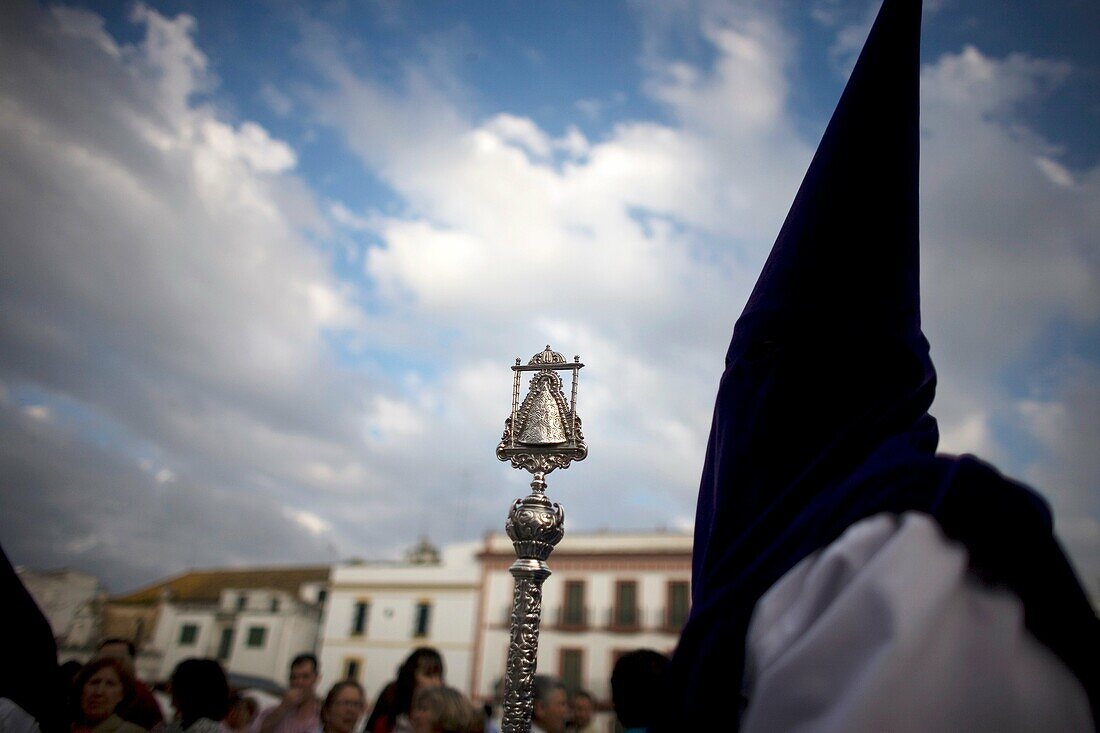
535, 526
542, 433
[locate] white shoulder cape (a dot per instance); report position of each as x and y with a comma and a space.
886, 630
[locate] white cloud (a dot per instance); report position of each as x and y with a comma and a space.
1081, 530
313, 523
975, 85
173, 63
158, 226
971, 434
747, 88
249, 143
574, 143
345, 217
850, 34
1066, 424
612, 253
68, 500
38, 412
521, 132
591, 108
166, 287
394, 419
280, 103
1055, 171
86, 25
1006, 249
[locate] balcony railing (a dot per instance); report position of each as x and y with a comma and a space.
673, 622
571, 618
624, 619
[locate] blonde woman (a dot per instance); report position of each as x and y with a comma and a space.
444, 710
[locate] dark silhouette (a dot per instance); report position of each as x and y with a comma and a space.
638, 687
199, 690
33, 684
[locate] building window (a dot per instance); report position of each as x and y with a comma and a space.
571, 666
274, 605
188, 634
352, 665
256, 636
359, 618
225, 644
242, 601
573, 611
679, 604
625, 614
423, 619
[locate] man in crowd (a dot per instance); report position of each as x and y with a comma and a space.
300, 709
144, 710
551, 710
583, 708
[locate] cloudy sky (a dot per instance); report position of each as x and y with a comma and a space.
263, 269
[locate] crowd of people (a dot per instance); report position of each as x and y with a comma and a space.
105, 696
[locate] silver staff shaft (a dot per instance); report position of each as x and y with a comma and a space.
541, 434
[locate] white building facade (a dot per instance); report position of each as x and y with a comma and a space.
609, 593
254, 621
250, 631
378, 613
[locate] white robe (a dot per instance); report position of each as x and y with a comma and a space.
886, 630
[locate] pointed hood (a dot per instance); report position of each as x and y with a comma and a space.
821, 418
846, 259
828, 359
826, 366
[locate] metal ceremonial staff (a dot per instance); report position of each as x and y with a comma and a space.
542, 434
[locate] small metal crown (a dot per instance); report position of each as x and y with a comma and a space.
547, 356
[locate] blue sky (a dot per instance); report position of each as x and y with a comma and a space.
266, 265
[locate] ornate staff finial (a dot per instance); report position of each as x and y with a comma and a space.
542, 433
